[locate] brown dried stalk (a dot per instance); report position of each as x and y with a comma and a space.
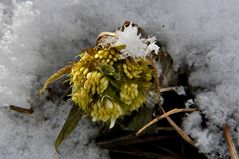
174, 111
230, 144
166, 115
21, 110
131, 140
144, 154
180, 131
167, 89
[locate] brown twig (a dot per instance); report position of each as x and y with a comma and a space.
165, 115
230, 144
21, 110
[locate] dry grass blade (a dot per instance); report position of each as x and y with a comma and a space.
175, 155
167, 89
106, 34
165, 115
132, 139
230, 144
143, 154
161, 128
180, 131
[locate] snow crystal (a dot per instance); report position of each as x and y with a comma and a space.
180, 90
38, 37
188, 103
206, 140
135, 45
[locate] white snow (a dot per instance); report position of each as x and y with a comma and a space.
135, 45
38, 37
33, 136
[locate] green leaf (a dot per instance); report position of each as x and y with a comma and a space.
56, 76
107, 69
119, 47
70, 124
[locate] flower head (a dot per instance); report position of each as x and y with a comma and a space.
107, 87
112, 79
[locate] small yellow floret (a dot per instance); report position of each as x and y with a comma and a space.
106, 111
128, 93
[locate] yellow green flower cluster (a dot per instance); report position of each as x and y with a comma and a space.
107, 56
128, 93
106, 85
